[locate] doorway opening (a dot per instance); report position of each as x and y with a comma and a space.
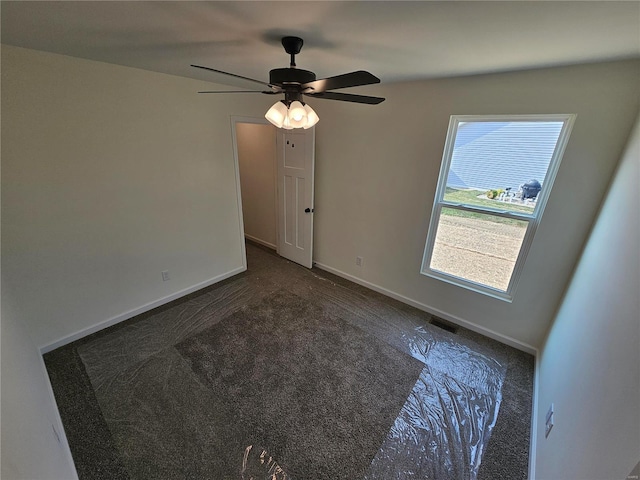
276, 170
255, 145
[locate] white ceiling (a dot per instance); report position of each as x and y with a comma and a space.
396, 41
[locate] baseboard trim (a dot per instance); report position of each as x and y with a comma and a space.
261, 242
137, 311
59, 428
512, 342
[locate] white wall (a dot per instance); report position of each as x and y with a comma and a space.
110, 175
590, 363
377, 169
257, 159
30, 450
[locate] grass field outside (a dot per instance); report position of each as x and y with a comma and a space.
479, 247
477, 198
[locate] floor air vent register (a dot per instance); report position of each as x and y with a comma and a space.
443, 324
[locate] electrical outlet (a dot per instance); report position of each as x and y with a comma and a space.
165, 275
549, 413
359, 261
549, 422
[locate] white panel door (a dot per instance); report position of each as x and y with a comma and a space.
296, 159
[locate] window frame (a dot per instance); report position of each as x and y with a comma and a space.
533, 219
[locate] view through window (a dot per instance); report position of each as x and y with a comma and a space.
495, 178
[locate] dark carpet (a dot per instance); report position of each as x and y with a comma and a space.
331, 379
319, 394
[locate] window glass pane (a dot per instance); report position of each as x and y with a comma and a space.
501, 165
477, 247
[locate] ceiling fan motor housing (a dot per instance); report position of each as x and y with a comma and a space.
284, 76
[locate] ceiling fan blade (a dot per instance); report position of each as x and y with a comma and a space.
348, 97
353, 79
232, 75
239, 91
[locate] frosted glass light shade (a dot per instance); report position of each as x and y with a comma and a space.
286, 124
277, 114
297, 115
312, 117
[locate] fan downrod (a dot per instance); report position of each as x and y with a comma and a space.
292, 45
291, 78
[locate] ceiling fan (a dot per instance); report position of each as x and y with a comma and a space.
292, 112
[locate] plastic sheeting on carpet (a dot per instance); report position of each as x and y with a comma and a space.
445, 424
257, 464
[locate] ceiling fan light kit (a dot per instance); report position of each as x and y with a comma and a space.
293, 112
296, 115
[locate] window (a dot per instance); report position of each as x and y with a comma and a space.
496, 175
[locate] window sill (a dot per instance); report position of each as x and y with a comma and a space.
474, 287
